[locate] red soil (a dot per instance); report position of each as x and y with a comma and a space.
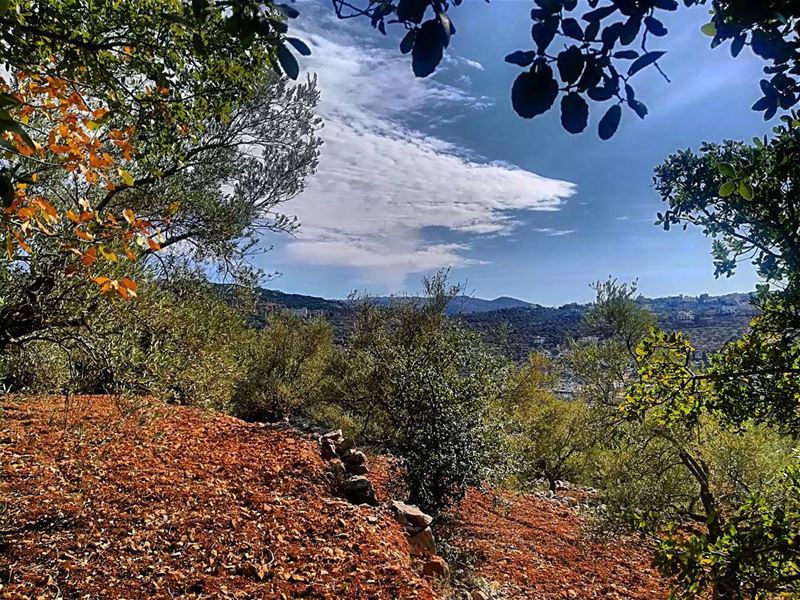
141, 500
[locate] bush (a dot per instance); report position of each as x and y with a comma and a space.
548, 437
283, 368
421, 387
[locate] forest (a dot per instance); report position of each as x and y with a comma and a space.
148, 148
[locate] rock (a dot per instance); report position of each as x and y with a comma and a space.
357, 469
358, 490
409, 516
353, 457
335, 437
327, 449
345, 445
436, 567
372, 519
337, 468
423, 543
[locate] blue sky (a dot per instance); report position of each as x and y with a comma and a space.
417, 175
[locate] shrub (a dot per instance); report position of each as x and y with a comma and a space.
283, 367
421, 387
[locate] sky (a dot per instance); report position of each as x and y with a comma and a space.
416, 175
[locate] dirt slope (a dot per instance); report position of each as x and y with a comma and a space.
183, 504
131, 501
531, 547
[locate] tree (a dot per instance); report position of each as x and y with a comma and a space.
743, 196
550, 437
601, 51
421, 387
90, 204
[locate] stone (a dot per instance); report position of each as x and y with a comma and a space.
345, 445
335, 436
327, 449
353, 457
423, 543
337, 468
436, 567
357, 469
358, 490
409, 516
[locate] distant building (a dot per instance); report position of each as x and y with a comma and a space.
685, 316
299, 312
538, 340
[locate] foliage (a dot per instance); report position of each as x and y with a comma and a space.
743, 196
758, 551
601, 51
91, 204
284, 367
549, 437
131, 125
421, 386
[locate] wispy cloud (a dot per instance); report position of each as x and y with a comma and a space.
554, 232
382, 182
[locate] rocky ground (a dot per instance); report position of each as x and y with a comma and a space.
112, 498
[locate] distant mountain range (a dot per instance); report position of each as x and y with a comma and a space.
709, 321
466, 305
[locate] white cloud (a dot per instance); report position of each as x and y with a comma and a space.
381, 184
554, 232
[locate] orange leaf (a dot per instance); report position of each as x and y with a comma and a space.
90, 257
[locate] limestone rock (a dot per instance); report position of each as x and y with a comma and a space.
353, 457
345, 444
409, 516
327, 449
335, 436
423, 543
357, 469
437, 567
358, 490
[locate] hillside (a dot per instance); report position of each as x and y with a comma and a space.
124, 499
520, 326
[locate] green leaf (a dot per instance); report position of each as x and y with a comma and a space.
727, 170
727, 188
534, 92
710, 29
574, 113
610, 123
299, 45
13, 126
746, 190
6, 190
3, 6
288, 62
644, 61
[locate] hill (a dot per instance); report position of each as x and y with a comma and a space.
519, 326
115, 498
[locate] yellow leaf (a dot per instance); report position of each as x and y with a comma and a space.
126, 177
107, 254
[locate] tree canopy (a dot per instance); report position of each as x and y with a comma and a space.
601, 48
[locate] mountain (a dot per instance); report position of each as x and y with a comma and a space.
521, 326
468, 305
465, 305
